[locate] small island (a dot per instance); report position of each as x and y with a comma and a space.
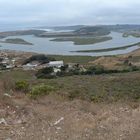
87, 40
16, 41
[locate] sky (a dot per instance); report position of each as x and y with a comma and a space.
68, 12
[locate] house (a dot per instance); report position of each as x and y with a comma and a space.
57, 64
29, 66
9, 66
5, 60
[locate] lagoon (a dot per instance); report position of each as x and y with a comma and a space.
44, 45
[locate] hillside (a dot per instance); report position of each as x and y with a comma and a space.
93, 30
55, 116
59, 28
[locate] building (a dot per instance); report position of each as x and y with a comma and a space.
29, 66
57, 64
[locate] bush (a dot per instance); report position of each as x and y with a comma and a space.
45, 72
40, 90
22, 85
95, 70
64, 68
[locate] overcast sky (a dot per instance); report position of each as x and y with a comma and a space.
67, 12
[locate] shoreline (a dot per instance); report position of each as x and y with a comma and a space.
16, 52
108, 49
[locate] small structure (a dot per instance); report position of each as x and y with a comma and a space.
5, 60
57, 64
9, 66
29, 66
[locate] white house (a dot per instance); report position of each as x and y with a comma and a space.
57, 64
29, 66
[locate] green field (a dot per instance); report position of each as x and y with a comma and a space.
74, 59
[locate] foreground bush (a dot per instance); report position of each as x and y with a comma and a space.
22, 85
40, 90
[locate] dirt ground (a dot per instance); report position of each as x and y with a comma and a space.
53, 118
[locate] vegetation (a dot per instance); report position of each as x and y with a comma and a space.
20, 32
22, 85
97, 88
2, 67
93, 30
83, 40
134, 34
41, 58
74, 59
45, 73
48, 72
109, 49
39, 90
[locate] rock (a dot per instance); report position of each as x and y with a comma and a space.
8, 139
58, 121
2, 121
6, 94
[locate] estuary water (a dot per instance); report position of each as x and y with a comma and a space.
44, 45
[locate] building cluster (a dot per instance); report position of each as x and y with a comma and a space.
6, 62
35, 65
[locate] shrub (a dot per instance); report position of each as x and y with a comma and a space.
95, 70
22, 85
45, 72
64, 68
40, 90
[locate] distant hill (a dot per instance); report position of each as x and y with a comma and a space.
21, 32
93, 30
122, 28
57, 28
76, 30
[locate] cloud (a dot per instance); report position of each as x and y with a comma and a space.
67, 12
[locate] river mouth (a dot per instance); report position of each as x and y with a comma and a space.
45, 45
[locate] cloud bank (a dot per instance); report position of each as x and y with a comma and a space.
68, 12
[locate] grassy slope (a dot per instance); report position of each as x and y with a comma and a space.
98, 88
